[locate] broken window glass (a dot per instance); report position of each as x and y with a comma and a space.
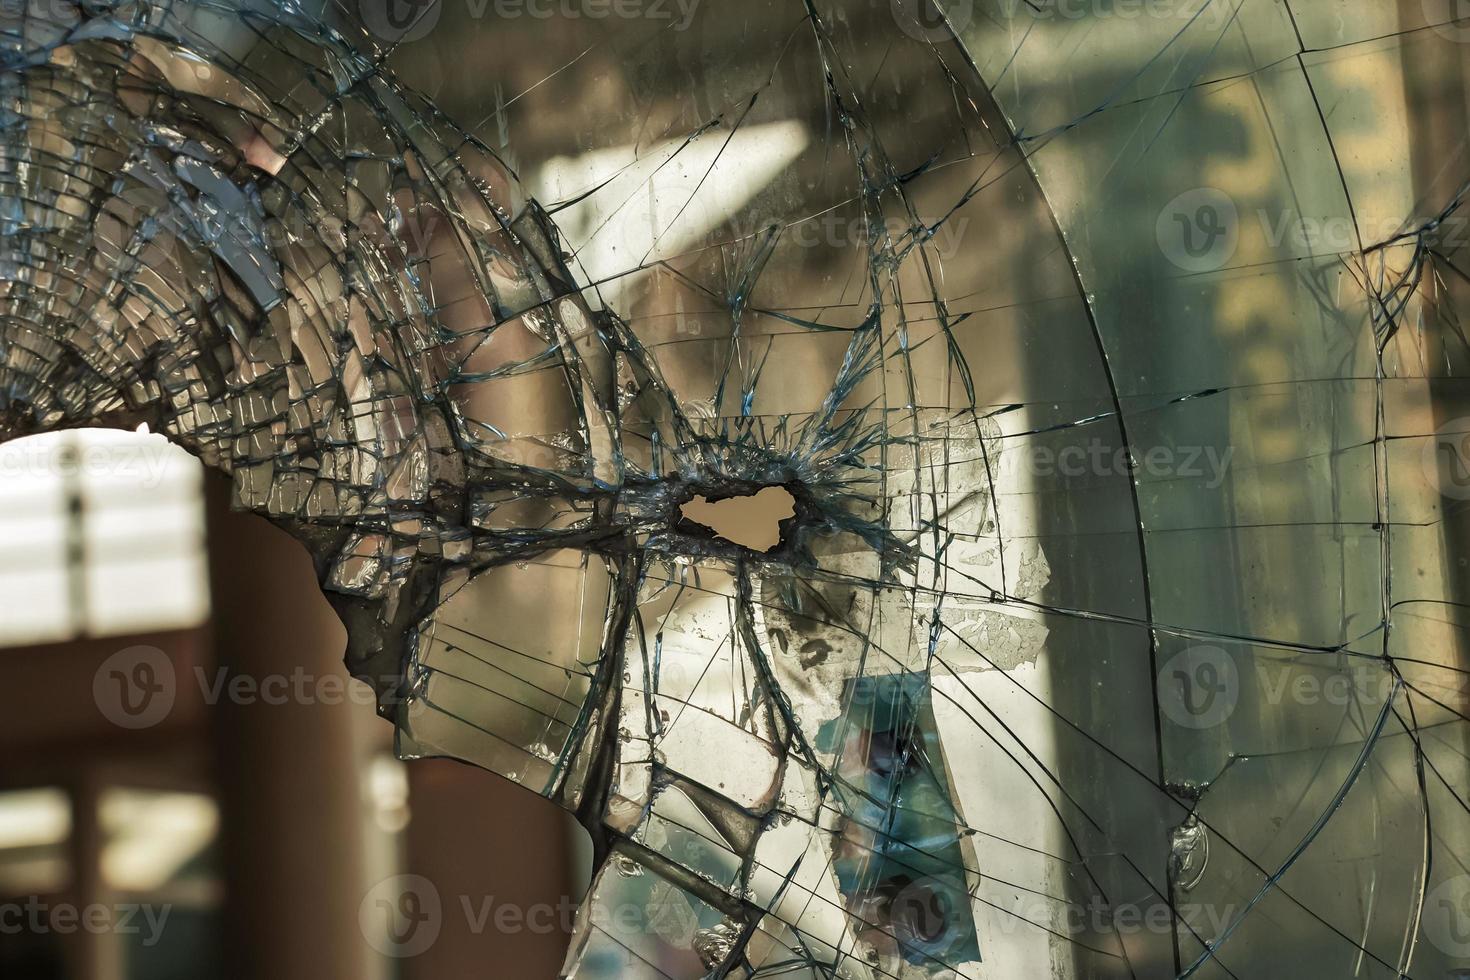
1108, 352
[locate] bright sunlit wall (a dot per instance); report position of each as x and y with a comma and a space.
101, 533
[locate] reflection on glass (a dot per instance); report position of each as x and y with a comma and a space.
1109, 354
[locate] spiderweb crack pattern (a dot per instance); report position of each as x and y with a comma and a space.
1110, 358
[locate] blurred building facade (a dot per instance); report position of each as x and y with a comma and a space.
192, 785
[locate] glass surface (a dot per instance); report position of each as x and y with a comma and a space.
1108, 350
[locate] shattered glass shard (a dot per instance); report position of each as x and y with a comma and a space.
1108, 355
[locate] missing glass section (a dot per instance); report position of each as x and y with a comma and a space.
751, 520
